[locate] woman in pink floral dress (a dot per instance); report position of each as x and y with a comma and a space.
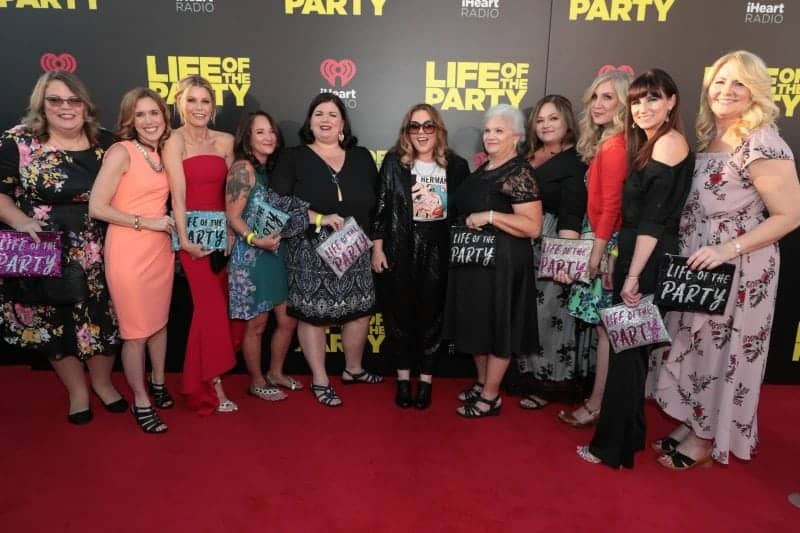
709, 379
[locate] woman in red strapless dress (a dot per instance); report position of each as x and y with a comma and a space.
197, 160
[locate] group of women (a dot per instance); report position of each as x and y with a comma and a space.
623, 176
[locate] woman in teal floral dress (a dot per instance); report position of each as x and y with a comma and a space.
256, 272
47, 167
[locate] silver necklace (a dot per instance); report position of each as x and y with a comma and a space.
157, 167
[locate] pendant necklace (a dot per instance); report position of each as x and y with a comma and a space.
157, 167
335, 180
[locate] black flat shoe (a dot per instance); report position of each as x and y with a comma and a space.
423, 395
117, 406
403, 396
81, 417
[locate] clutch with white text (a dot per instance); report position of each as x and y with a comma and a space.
209, 229
631, 327
567, 255
471, 247
682, 289
21, 256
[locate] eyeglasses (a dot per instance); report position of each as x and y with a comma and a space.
57, 101
427, 127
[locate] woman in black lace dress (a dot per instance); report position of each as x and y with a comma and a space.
490, 310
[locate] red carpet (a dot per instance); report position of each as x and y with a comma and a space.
368, 466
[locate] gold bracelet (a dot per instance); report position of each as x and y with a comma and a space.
249, 238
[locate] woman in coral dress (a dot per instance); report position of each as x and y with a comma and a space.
130, 193
197, 160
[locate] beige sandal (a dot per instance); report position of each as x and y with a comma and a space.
572, 420
290, 384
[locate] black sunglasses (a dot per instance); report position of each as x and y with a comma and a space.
427, 127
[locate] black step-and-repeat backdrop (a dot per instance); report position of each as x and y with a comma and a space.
381, 56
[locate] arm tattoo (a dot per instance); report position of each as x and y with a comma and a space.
238, 185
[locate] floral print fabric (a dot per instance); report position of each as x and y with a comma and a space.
710, 378
53, 186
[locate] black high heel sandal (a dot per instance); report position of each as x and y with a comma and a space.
472, 393
665, 445
148, 419
470, 410
160, 394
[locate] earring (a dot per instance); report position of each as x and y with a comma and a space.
341, 136
667, 119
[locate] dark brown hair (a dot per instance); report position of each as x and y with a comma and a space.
653, 82
307, 136
244, 134
564, 108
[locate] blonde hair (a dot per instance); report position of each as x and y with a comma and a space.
752, 72
35, 121
184, 85
405, 148
592, 135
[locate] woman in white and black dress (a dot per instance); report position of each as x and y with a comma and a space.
338, 179
563, 363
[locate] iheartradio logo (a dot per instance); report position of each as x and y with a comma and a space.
51, 61
622, 68
343, 69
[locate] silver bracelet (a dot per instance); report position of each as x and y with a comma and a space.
737, 247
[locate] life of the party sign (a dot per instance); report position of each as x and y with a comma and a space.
682, 288
21, 256
631, 327
207, 228
567, 255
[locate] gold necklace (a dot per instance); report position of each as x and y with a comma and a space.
157, 167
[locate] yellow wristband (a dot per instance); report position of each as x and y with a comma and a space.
614, 252
318, 220
249, 238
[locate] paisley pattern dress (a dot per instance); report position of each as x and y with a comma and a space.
52, 186
710, 378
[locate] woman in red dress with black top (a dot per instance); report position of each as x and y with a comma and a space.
197, 160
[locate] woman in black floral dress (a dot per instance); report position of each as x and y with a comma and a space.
47, 167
